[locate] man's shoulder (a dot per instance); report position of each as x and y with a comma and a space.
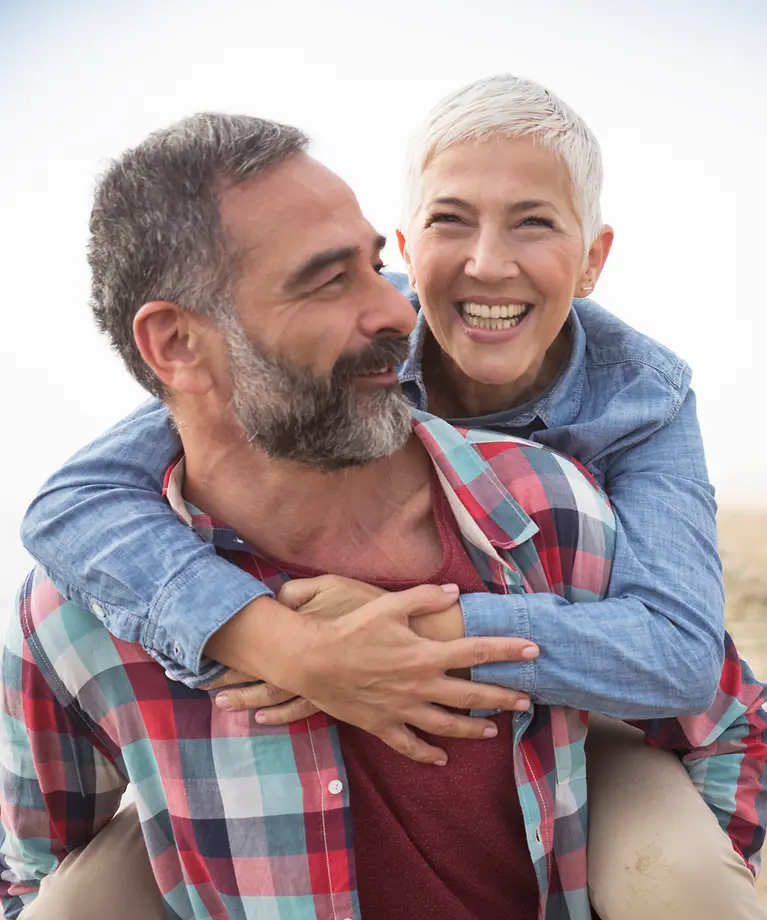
610, 341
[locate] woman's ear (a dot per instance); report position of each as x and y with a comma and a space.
402, 243
595, 261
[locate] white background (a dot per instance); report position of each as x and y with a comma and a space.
676, 91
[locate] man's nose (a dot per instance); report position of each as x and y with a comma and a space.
492, 258
386, 310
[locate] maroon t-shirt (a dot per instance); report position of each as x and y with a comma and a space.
438, 843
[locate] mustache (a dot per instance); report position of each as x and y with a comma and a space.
385, 352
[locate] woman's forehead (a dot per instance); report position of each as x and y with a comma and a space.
516, 169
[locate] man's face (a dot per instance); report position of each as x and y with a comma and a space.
319, 332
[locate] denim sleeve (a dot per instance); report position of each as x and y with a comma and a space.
654, 648
109, 541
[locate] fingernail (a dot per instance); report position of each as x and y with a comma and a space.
490, 732
451, 589
261, 717
530, 652
440, 763
522, 705
223, 701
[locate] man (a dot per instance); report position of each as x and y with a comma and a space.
276, 355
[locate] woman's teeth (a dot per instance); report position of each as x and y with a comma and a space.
481, 316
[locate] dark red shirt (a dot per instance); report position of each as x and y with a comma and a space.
438, 843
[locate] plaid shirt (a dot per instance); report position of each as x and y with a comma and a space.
244, 821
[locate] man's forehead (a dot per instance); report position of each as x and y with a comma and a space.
291, 212
297, 191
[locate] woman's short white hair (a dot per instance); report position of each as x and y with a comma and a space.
505, 106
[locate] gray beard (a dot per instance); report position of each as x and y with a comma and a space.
328, 424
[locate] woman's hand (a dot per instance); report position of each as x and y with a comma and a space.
325, 597
369, 668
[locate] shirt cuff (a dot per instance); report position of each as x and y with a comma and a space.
194, 606
502, 615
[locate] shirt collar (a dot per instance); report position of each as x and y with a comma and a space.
486, 513
558, 406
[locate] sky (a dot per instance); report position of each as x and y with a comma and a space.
676, 92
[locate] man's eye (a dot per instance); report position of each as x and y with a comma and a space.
336, 279
379, 268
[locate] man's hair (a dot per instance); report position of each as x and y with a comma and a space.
510, 107
155, 225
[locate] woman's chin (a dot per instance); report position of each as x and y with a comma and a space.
492, 373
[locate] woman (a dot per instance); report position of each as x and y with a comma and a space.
502, 237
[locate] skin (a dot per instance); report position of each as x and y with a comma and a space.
368, 667
478, 237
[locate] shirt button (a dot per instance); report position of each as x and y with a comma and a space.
170, 675
99, 611
335, 786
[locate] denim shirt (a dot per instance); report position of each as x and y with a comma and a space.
622, 406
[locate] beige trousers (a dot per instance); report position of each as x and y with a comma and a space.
655, 850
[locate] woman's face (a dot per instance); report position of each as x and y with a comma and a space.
496, 254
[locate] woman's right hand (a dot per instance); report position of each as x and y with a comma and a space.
363, 664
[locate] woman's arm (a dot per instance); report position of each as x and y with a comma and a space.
102, 530
654, 647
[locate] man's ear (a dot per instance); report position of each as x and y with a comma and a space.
174, 344
595, 261
402, 243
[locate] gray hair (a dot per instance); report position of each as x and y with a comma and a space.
505, 106
155, 225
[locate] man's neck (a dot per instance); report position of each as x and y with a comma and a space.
329, 521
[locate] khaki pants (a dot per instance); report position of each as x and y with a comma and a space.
655, 850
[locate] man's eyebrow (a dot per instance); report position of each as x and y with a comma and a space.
317, 263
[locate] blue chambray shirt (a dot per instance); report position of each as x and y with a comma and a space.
622, 406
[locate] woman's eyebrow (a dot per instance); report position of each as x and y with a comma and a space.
450, 201
528, 205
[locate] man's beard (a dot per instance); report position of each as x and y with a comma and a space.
329, 424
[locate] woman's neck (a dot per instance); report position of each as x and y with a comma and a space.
452, 394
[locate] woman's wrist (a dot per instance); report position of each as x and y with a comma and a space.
440, 627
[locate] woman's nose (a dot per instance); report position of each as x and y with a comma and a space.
492, 259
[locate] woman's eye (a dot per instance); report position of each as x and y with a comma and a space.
441, 218
537, 222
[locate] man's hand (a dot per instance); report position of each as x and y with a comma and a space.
369, 668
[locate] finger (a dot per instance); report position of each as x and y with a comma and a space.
468, 653
404, 741
440, 722
467, 694
255, 696
415, 601
299, 591
227, 679
292, 711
